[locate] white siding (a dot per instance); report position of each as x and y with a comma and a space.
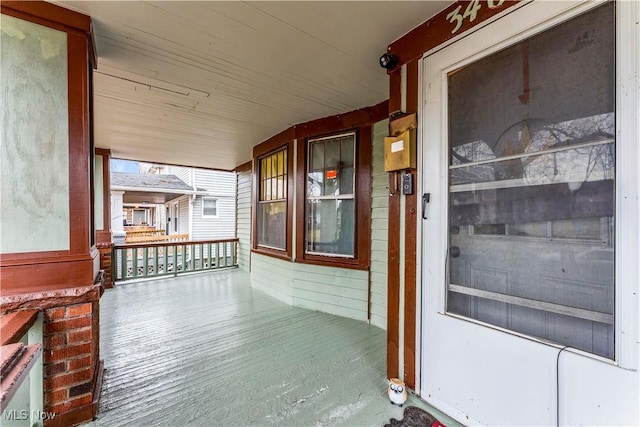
222, 226
243, 220
181, 172
338, 291
221, 186
219, 183
272, 276
379, 227
183, 219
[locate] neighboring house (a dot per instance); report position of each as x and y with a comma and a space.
210, 210
179, 200
139, 200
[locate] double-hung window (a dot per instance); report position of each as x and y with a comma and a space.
209, 207
271, 215
330, 214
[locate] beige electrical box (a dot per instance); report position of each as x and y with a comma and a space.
399, 151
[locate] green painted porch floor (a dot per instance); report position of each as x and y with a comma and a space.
208, 350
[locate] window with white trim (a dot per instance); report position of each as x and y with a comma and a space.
209, 207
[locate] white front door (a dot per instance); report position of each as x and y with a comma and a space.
519, 157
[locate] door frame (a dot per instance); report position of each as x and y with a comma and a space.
496, 35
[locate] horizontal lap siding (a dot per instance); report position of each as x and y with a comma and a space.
183, 215
216, 182
338, 291
379, 227
244, 220
211, 228
272, 276
222, 187
181, 172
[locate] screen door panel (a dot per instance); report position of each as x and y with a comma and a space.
532, 185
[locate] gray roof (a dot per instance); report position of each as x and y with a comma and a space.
148, 181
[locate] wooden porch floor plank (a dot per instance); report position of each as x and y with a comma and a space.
208, 350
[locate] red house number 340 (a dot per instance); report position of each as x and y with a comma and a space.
470, 12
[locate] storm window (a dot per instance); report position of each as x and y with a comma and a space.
272, 200
330, 200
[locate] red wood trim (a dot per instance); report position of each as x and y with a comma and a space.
15, 325
273, 253
284, 139
361, 120
97, 384
21, 277
437, 30
395, 99
346, 121
393, 256
410, 286
17, 370
393, 282
362, 257
34, 257
277, 141
79, 191
412, 87
363, 196
410, 247
31, 278
37, 11
301, 180
71, 22
245, 167
106, 188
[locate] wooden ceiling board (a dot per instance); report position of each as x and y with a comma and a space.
179, 79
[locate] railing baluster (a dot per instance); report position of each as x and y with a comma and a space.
145, 262
235, 253
159, 259
134, 268
156, 271
124, 258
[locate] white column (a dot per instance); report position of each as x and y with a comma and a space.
117, 217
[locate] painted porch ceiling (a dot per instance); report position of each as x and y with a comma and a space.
201, 83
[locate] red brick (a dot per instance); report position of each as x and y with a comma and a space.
56, 396
79, 310
54, 340
67, 352
79, 363
70, 404
52, 369
80, 389
65, 325
78, 336
67, 379
54, 313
